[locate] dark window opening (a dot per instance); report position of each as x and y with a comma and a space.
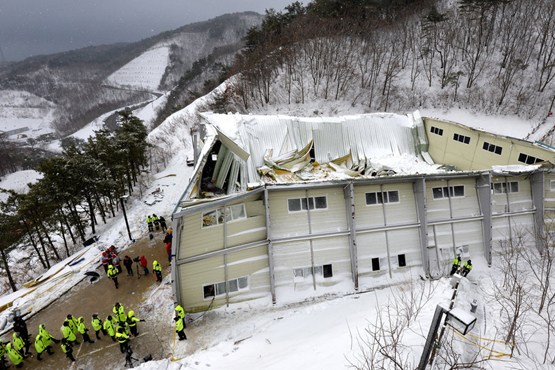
209, 291
312, 154
375, 264
328, 272
402, 260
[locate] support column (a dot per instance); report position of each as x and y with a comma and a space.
537, 184
270, 246
176, 285
349, 194
483, 190
420, 197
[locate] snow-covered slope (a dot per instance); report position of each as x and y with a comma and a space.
144, 72
20, 110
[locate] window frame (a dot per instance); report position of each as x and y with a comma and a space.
313, 203
499, 188
492, 148
382, 197
436, 130
224, 214
220, 288
451, 191
528, 159
461, 138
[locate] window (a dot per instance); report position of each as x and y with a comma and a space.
492, 148
552, 185
505, 187
528, 159
448, 192
231, 213
375, 264
437, 131
382, 197
461, 138
401, 260
302, 204
303, 272
213, 290
328, 272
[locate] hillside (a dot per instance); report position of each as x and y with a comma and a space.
78, 81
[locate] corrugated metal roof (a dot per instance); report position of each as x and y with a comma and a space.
364, 139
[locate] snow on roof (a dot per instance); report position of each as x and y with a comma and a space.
515, 168
343, 147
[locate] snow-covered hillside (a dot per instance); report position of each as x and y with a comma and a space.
144, 72
18, 182
29, 115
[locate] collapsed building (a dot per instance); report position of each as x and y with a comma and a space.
289, 207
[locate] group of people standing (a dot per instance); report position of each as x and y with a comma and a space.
111, 263
155, 222
118, 327
456, 267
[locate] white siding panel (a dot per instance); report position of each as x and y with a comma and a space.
402, 212
193, 276
407, 242
287, 257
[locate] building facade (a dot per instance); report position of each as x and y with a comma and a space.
287, 240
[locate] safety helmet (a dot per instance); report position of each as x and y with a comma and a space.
131, 313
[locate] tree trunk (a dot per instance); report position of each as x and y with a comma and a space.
8, 272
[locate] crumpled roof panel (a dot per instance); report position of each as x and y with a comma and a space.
367, 140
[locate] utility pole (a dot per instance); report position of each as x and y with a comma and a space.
122, 198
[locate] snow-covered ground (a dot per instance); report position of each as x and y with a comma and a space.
20, 110
144, 72
18, 182
320, 333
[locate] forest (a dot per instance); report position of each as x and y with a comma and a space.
492, 56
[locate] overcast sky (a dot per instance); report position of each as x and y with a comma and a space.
33, 27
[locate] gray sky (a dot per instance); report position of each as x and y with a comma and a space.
33, 27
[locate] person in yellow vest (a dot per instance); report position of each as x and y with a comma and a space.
18, 344
180, 327
466, 268
97, 326
83, 330
67, 348
132, 321
41, 344
156, 221
68, 334
113, 274
15, 357
149, 223
109, 327
123, 340
157, 270
72, 323
179, 311
456, 264
3, 351
46, 335
119, 312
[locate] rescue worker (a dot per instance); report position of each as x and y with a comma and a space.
119, 312
149, 223
72, 323
144, 264
132, 321
20, 326
19, 344
180, 327
15, 357
3, 365
96, 324
46, 334
157, 270
466, 268
113, 274
163, 226
179, 311
83, 330
156, 221
42, 344
68, 334
67, 348
456, 264
104, 260
109, 328
123, 340
128, 263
